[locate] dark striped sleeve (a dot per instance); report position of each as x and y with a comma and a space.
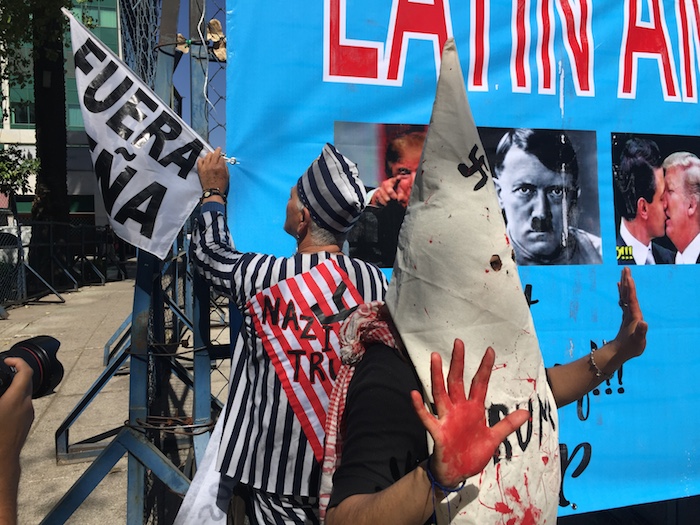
212, 249
229, 272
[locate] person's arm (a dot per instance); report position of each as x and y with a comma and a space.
16, 414
572, 381
410, 500
212, 250
407, 501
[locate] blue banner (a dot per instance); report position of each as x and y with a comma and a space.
607, 73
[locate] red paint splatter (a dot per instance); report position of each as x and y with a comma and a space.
502, 508
530, 380
545, 459
507, 239
512, 507
460, 461
531, 516
513, 493
430, 240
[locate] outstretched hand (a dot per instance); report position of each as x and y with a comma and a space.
631, 338
463, 442
213, 172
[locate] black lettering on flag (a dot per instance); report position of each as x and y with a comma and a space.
297, 362
162, 129
131, 109
92, 143
92, 104
305, 333
273, 311
315, 367
524, 441
103, 171
153, 194
331, 368
290, 316
327, 339
545, 415
184, 157
125, 153
166, 128
496, 413
90, 47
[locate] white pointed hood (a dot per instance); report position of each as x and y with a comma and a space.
454, 277
454, 274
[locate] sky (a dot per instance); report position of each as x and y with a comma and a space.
217, 81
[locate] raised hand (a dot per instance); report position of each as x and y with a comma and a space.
631, 338
464, 444
213, 172
385, 193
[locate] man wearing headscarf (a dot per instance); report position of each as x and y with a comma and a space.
284, 359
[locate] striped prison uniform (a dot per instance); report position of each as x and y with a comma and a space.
263, 445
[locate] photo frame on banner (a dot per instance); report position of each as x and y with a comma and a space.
390, 154
630, 182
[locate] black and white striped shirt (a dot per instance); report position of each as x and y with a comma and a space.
263, 444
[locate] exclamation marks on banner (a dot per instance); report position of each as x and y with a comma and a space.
609, 387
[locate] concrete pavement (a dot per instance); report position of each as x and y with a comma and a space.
83, 324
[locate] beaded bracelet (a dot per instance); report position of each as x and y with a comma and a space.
598, 371
445, 490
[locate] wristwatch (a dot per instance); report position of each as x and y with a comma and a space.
212, 191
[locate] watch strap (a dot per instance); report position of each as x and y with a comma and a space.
212, 191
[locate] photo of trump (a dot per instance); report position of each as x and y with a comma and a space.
656, 186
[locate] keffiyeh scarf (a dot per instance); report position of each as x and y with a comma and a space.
367, 325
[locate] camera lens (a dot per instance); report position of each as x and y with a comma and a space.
40, 354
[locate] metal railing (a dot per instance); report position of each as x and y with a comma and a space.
42, 258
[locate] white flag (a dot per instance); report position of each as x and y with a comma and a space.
145, 155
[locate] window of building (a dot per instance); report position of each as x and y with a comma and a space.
22, 107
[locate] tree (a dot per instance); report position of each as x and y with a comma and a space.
15, 170
41, 24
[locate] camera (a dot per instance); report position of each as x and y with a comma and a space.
40, 354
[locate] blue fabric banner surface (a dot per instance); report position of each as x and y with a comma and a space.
612, 76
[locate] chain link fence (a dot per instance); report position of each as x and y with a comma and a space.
65, 256
12, 270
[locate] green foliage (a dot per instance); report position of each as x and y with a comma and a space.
15, 170
15, 33
26, 25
